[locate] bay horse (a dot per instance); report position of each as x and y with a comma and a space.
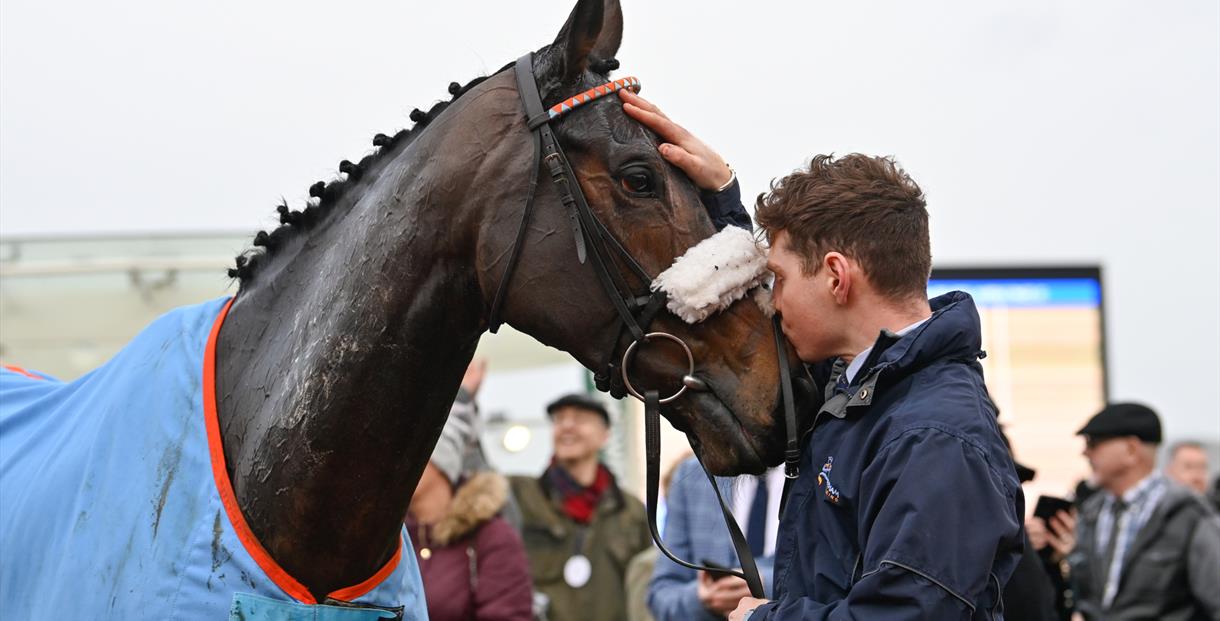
319, 390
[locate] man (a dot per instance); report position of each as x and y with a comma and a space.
695, 531
580, 529
1146, 548
907, 505
1188, 466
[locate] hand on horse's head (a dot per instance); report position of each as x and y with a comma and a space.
681, 148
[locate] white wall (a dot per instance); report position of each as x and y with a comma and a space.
1043, 131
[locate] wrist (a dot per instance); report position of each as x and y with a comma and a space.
723, 183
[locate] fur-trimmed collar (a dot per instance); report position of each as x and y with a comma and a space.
477, 500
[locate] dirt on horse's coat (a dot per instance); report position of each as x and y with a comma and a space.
115, 501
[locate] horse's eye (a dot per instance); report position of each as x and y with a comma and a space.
638, 181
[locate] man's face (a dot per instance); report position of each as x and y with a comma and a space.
1110, 458
578, 433
1188, 466
805, 303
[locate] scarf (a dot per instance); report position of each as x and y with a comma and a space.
578, 501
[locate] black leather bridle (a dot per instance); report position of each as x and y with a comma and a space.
596, 245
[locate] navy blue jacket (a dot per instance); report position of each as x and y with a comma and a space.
725, 207
908, 504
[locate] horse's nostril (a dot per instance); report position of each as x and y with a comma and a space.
694, 383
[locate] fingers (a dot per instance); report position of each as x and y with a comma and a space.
728, 591
745, 604
667, 129
632, 98
1069, 518
1056, 535
1062, 524
679, 157
738, 591
1062, 535
733, 583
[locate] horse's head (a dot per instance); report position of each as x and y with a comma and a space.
654, 211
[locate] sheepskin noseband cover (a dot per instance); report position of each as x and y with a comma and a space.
712, 275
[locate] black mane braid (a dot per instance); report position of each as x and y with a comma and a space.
324, 196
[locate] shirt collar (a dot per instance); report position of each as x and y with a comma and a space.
1138, 494
858, 361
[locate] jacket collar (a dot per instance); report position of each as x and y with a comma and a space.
952, 332
610, 501
1174, 499
477, 500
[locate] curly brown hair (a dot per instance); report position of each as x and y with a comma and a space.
865, 207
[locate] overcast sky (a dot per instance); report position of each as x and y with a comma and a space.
1042, 131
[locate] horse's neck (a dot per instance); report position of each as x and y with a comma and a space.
337, 369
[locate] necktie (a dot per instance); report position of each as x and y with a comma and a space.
1107, 560
756, 525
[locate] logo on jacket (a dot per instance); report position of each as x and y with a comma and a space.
832, 492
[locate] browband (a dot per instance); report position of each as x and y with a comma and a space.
597, 92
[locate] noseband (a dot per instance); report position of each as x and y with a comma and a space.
597, 246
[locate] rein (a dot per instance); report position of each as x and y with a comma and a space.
596, 245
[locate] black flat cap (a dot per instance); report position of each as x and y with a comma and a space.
1124, 419
577, 400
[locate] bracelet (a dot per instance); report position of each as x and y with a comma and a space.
729, 183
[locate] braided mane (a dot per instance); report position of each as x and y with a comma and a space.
324, 196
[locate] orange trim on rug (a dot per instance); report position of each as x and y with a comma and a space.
20, 371
227, 498
352, 592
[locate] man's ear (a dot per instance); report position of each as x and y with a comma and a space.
594, 29
839, 273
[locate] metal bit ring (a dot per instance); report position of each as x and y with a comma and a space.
690, 358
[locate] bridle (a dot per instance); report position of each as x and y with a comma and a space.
594, 243
636, 310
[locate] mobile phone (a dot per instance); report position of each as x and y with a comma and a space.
715, 570
1050, 505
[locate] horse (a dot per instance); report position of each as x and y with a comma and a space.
302, 411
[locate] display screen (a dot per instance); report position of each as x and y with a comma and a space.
1045, 366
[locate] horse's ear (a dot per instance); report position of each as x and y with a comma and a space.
569, 54
611, 35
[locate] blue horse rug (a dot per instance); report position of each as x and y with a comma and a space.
115, 502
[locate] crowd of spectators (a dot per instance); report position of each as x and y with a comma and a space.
1131, 542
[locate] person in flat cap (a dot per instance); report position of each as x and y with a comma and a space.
1146, 548
580, 528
